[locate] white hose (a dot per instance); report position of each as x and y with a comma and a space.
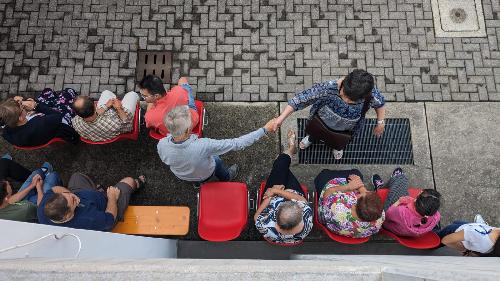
43, 237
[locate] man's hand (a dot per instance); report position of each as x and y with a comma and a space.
113, 193
270, 192
37, 179
29, 105
110, 103
270, 125
277, 124
117, 104
355, 182
18, 99
379, 130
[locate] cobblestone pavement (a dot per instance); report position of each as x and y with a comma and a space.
242, 50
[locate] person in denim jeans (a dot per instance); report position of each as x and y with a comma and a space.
43, 179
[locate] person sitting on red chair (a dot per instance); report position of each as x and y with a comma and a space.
160, 102
107, 119
404, 215
284, 215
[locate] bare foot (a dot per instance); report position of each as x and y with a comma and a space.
292, 147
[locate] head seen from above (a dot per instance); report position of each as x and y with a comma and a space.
84, 107
5, 192
178, 122
289, 216
369, 207
427, 203
358, 84
12, 113
60, 208
151, 88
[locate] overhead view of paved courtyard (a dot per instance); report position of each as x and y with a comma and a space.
436, 63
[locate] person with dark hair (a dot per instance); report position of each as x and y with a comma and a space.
21, 206
345, 206
284, 215
472, 239
28, 123
340, 104
404, 215
160, 103
108, 118
83, 206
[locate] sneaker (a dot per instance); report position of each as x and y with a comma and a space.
377, 181
337, 154
47, 168
233, 172
479, 219
7, 156
398, 171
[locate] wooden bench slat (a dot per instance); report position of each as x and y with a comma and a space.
154, 220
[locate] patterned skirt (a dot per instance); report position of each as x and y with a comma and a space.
60, 101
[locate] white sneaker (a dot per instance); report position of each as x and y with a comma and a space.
305, 143
337, 154
479, 219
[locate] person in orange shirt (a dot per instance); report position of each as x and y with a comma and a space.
160, 102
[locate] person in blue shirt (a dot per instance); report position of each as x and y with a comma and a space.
83, 206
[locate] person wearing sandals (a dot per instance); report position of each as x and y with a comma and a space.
404, 215
345, 206
339, 104
472, 239
284, 215
83, 206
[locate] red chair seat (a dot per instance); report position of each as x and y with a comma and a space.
427, 240
52, 141
197, 130
222, 210
334, 236
259, 199
132, 135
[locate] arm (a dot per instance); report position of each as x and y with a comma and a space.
124, 116
219, 147
261, 208
42, 108
21, 194
112, 207
289, 195
454, 240
39, 191
60, 189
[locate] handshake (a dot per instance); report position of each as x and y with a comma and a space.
271, 126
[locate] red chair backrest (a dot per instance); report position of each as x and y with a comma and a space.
197, 130
52, 141
132, 135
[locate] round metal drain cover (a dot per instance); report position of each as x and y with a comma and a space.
458, 15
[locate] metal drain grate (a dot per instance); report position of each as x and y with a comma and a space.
394, 147
156, 63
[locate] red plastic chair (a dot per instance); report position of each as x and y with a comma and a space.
133, 135
222, 210
197, 130
259, 199
334, 236
52, 141
428, 240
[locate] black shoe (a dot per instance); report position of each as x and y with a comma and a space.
377, 181
233, 172
398, 171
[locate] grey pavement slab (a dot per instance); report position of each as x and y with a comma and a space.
465, 142
246, 50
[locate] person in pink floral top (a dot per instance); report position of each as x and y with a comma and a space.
345, 206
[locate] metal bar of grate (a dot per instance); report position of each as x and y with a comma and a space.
393, 148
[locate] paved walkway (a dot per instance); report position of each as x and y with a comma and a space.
240, 50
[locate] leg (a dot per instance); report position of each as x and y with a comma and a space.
126, 186
326, 175
279, 172
105, 97
450, 228
398, 186
79, 182
221, 172
32, 193
129, 101
51, 180
13, 170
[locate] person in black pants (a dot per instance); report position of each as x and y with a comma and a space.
42, 126
284, 215
326, 175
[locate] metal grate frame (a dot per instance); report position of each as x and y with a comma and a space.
394, 147
156, 63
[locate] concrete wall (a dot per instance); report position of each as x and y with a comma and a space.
95, 244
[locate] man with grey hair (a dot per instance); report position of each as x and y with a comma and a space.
196, 159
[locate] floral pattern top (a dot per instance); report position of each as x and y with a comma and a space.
60, 101
266, 221
331, 108
335, 212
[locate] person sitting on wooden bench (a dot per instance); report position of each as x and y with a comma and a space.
82, 206
107, 119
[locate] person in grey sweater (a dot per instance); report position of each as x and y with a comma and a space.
196, 159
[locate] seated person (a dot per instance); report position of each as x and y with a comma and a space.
43, 179
472, 239
82, 206
404, 215
23, 129
160, 102
106, 120
197, 160
284, 215
345, 206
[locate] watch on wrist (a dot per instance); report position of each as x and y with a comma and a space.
381, 122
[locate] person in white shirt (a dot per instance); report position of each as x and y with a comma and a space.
472, 239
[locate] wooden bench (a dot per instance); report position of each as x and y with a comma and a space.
154, 220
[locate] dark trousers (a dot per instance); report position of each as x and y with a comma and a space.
326, 175
13, 170
450, 228
281, 175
